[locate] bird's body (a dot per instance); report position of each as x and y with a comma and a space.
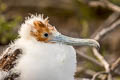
41, 53
44, 61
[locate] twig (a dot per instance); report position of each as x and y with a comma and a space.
102, 60
115, 65
97, 74
102, 3
109, 20
89, 72
96, 3
109, 76
111, 6
88, 58
100, 35
82, 79
112, 18
107, 30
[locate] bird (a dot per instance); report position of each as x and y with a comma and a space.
41, 52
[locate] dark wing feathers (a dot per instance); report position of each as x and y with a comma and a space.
8, 61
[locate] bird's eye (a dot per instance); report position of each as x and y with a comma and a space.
46, 35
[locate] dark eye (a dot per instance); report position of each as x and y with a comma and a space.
46, 35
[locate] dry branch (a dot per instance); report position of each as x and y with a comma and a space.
113, 24
108, 22
107, 30
115, 65
108, 26
111, 6
82, 79
100, 35
97, 74
88, 58
97, 35
102, 60
96, 3
102, 3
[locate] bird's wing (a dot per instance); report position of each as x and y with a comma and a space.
8, 60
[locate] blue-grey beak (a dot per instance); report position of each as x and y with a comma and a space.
75, 41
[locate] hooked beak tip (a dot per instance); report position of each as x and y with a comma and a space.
97, 45
93, 43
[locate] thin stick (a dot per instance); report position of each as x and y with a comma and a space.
107, 30
111, 6
97, 74
102, 3
111, 19
102, 60
88, 58
116, 64
97, 35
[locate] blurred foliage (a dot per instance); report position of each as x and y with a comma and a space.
7, 27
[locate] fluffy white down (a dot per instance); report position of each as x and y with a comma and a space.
43, 61
28, 26
3, 74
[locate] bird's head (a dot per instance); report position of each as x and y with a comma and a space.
38, 28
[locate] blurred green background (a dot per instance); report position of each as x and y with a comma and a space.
71, 17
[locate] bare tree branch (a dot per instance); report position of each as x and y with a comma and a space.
111, 6
107, 30
96, 3
102, 3
82, 79
116, 64
110, 76
108, 26
102, 60
111, 19
97, 74
88, 58
99, 33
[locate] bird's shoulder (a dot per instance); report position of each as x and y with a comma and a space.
8, 60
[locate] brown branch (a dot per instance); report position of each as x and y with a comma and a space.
101, 34
108, 21
111, 19
113, 23
108, 26
102, 60
88, 58
82, 79
111, 6
96, 4
102, 3
110, 76
97, 74
88, 72
115, 65
107, 30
